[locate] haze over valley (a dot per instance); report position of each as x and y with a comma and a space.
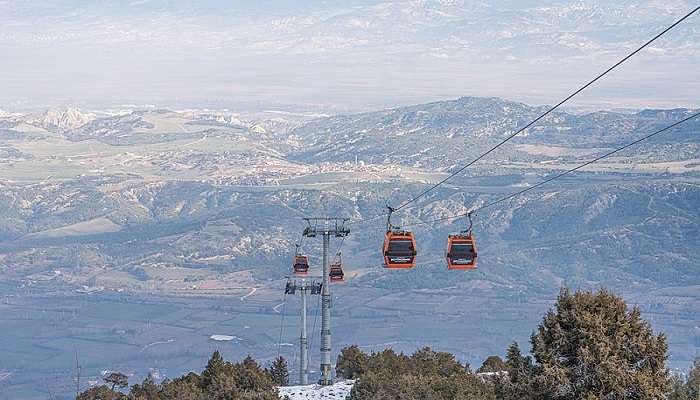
157, 159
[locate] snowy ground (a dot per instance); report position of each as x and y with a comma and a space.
338, 391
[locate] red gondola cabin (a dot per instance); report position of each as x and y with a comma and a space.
399, 250
461, 252
336, 273
301, 264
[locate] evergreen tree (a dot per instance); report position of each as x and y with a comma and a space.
179, 389
250, 377
185, 387
215, 367
427, 361
519, 367
101, 392
492, 364
590, 346
116, 379
278, 372
678, 389
426, 374
147, 390
351, 362
689, 388
220, 380
250, 363
693, 382
516, 384
380, 385
223, 387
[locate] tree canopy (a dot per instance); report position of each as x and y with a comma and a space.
220, 380
590, 346
279, 372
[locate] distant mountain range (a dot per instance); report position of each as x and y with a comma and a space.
439, 135
165, 177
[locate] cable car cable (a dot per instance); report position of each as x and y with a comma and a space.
518, 193
313, 328
284, 306
582, 88
300, 241
337, 250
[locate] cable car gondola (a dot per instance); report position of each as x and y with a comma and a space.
461, 249
301, 263
336, 273
399, 247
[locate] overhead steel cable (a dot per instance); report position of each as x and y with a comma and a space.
284, 307
300, 241
555, 177
550, 110
338, 249
313, 328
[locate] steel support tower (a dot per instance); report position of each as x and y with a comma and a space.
326, 227
302, 286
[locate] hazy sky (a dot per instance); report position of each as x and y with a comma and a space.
345, 55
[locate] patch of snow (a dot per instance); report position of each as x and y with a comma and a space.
496, 373
337, 391
222, 338
258, 129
